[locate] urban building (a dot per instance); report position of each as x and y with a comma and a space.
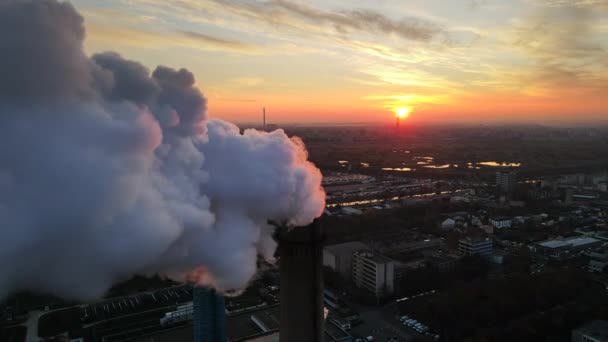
448, 224
374, 272
596, 331
442, 262
400, 242
255, 325
565, 248
486, 228
401, 269
598, 261
340, 257
262, 325
506, 180
471, 246
209, 315
501, 222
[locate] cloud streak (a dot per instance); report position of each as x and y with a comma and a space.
563, 45
354, 21
308, 19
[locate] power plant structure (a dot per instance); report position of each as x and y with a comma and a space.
301, 286
301, 259
209, 315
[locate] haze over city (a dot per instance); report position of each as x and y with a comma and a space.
535, 61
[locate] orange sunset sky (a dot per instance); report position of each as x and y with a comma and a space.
538, 61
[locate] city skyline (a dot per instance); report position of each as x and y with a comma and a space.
535, 61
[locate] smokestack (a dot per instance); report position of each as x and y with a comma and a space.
301, 255
209, 315
264, 119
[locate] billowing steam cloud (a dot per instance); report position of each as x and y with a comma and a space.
107, 170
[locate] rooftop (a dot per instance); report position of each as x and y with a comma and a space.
377, 258
574, 242
242, 327
502, 218
469, 239
346, 248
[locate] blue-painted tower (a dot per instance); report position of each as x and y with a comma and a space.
209, 315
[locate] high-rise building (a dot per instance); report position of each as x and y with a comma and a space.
373, 272
340, 257
506, 180
470, 246
301, 257
209, 315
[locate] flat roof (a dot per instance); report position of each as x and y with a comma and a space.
475, 240
375, 257
346, 248
573, 241
502, 218
380, 259
240, 326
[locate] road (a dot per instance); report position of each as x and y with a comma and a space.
32, 325
380, 323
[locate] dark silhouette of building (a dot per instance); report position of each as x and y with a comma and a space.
301, 257
506, 180
209, 315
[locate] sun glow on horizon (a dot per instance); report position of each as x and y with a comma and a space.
403, 112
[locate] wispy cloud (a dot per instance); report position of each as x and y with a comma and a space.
440, 54
576, 3
310, 19
161, 40
564, 47
218, 42
359, 20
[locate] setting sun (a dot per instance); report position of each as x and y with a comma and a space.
403, 112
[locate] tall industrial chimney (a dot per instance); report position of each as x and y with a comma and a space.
209, 315
264, 118
301, 253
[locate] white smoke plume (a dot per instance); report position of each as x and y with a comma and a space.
108, 170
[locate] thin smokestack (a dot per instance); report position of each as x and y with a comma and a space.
264, 118
209, 315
